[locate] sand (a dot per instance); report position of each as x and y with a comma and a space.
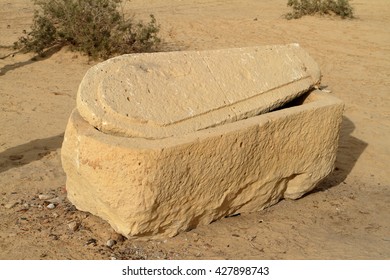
346, 217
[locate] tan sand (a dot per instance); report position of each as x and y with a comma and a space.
346, 217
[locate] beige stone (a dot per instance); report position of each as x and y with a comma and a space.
158, 95
159, 187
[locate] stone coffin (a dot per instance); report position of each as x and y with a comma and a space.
160, 143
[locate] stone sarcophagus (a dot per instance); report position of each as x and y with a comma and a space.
160, 143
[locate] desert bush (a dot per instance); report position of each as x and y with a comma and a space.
300, 8
95, 27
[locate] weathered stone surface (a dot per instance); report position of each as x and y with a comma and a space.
160, 95
158, 187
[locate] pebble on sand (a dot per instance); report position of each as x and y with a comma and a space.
44, 196
11, 204
110, 243
55, 200
73, 226
51, 206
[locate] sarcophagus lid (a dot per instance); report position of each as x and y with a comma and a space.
159, 95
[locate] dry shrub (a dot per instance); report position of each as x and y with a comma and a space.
94, 27
301, 8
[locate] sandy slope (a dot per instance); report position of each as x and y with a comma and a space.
346, 217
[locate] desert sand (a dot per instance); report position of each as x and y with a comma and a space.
346, 217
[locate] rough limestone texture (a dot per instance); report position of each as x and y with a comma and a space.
160, 143
159, 95
159, 187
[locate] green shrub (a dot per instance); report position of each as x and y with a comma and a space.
93, 27
301, 8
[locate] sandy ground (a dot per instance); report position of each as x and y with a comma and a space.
346, 217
